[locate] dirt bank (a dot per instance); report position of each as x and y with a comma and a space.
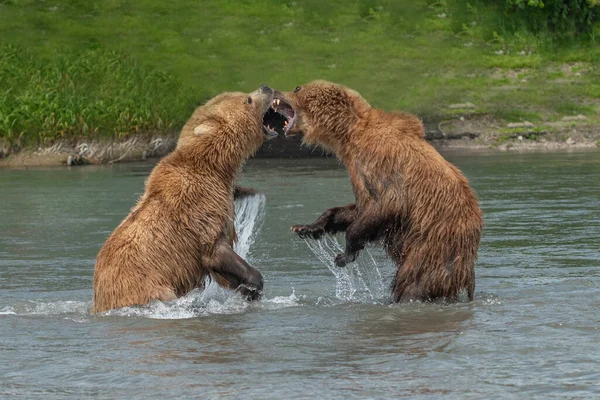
485, 132
84, 152
473, 133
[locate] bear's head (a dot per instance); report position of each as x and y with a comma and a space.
229, 125
323, 112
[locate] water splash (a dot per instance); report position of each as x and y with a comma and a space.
213, 300
358, 281
39, 307
198, 303
487, 299
249, 217
279, 302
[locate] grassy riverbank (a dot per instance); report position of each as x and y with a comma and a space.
75, 69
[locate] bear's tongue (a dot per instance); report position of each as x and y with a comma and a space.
279, 117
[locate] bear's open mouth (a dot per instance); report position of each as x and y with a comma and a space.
279, 118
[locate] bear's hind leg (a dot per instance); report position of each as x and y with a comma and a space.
423, 278
405, 286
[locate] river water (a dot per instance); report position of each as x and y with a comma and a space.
533, 330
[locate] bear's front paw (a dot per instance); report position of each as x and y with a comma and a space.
253, 286
305, 231
342, 259
250, 293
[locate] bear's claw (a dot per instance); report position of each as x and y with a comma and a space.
305, 231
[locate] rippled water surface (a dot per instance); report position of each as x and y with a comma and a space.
533, 330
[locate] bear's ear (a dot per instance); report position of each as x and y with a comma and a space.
205, 127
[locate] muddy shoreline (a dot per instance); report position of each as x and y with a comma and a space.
477, 134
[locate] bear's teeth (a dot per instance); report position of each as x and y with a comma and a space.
285, 123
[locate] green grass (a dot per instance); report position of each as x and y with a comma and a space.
71, 68
83, 94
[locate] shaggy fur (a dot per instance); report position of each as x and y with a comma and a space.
181, 230
407, 195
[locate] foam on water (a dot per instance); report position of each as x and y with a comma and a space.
360, 281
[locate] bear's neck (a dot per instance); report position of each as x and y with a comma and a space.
223, 161
344, 146
347, 135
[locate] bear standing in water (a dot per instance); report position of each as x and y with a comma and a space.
407, 195
181, 230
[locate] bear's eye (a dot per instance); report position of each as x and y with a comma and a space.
297, 89
249, 100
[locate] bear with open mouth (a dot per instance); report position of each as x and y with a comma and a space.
408, 197
181, 231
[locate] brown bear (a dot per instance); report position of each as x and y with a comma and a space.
181, 230
407, 195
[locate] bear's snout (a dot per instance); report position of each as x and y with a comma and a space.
265, 89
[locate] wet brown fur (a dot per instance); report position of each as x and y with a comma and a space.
181, 230
407, 195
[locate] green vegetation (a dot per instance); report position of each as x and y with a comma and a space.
554, 21
109, 69
87, 93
